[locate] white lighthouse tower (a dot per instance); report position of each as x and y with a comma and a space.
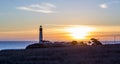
40, 35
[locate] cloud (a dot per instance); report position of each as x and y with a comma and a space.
105, 5
41, 8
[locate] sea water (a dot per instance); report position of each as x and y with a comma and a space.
15, 44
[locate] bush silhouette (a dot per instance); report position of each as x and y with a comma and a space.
82, 43
74, 42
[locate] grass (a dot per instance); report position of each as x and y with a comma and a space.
103, 54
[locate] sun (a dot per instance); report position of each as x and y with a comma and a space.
79, 32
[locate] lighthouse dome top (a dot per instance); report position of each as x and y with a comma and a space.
40, 26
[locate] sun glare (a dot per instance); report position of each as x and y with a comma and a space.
79, 32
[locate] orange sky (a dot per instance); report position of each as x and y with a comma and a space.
60, 33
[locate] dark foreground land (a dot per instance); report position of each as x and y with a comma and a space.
103, 54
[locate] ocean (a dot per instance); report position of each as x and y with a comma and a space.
23, 44
15, 44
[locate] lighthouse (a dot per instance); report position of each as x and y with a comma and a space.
40, 35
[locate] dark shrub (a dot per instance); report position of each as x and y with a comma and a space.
74, 42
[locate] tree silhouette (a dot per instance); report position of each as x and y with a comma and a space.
95, 41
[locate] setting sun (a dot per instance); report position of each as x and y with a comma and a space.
79, 32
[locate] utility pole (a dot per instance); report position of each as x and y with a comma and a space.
114, 39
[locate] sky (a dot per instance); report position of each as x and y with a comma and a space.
20, 19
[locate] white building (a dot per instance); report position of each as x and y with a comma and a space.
41, 35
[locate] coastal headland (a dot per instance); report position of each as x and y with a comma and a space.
99, 54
